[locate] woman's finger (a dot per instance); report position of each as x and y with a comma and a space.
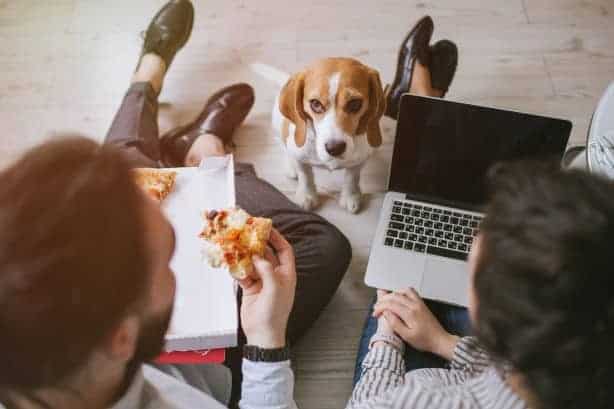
397, 325
381, 293
387, 302
391, 305
400, 298
411, 293
383, 304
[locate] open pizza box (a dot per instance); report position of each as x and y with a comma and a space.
205, 313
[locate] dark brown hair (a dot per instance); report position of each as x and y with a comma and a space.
72, 258
545, 282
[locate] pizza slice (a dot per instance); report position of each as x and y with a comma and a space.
232, 237
157, 183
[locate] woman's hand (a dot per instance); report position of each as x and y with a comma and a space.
412, 320
383, 326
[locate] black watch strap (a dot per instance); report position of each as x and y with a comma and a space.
256, 354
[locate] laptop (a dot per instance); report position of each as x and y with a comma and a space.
437, 189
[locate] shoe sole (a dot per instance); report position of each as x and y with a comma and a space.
181, 44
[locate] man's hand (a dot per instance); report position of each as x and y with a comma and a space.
268, 297
412, 320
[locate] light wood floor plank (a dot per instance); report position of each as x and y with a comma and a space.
65, 65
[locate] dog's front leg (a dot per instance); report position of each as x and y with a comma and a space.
306, 194
350, 191
291, 168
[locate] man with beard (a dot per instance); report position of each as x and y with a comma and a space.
86, 291
85, 285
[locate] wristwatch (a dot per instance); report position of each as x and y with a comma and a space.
256, 354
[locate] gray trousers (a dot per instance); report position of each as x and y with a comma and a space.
322, 252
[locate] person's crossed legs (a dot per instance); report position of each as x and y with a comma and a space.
428, 71
322, 252
453, 319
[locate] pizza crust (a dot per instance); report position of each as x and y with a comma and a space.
157, 183
232, 237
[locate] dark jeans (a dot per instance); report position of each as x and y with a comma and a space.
454, 319
322, 252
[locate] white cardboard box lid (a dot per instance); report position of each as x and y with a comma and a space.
205, 312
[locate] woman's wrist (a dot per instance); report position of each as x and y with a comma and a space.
444, 345
384, 328
387, 339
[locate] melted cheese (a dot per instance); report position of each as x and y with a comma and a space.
237, 219
213, 253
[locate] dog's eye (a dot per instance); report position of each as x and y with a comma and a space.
353, 106
316, 106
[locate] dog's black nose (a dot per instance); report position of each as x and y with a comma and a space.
335, 148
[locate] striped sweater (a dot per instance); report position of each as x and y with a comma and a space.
472, 382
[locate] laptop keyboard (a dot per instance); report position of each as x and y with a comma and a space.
432, 230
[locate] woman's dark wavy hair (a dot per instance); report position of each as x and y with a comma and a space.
545, 282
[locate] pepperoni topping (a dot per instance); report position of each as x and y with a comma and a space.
233, 235
211, 215
229, 258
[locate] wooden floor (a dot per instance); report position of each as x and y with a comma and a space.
65, 64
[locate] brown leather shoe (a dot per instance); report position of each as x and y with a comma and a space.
223, 113
169, 30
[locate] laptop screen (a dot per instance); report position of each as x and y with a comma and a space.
443, 149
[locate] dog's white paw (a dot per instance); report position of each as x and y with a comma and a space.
350, 201
306, 198
291, 171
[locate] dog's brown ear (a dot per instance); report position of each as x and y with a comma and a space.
377, 106
291, 106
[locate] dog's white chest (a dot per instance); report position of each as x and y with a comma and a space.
356, 154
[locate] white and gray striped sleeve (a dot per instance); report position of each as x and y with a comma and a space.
470, 357
383, 370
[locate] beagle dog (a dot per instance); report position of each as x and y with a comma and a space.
328, 116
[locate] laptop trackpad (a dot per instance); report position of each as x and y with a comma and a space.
446, 280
